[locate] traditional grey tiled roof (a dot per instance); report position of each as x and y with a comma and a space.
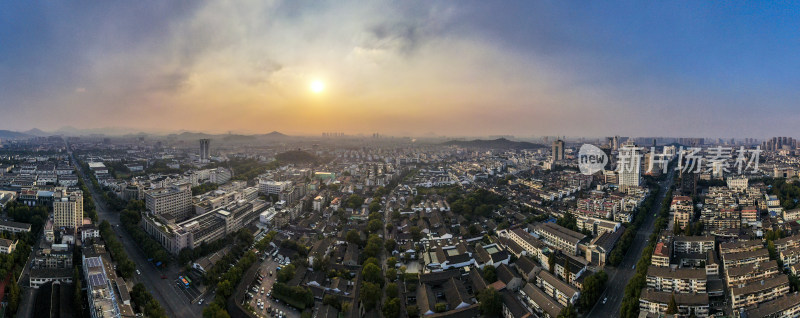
681, 273
755, 287
680, 299
546, 303
770, 308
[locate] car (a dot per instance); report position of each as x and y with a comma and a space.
200, 302
605, 300
138, 272
634, 266
270, 273
262, 290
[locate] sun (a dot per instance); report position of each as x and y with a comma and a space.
317, 86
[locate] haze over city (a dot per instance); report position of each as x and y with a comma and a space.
407, 68
399, 159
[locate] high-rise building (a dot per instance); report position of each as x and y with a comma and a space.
205, 151
68, 211
173, 202
615, 143
630, 172
558, 150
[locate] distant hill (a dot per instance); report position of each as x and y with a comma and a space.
275, 134
37, 132
8, 134
500, 143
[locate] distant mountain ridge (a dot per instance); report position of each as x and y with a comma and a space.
8, 134
500, 143
123, 132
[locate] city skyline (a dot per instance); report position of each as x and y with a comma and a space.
411, 68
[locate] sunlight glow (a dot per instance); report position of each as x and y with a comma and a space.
317, 86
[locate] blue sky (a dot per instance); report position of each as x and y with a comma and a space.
692, 68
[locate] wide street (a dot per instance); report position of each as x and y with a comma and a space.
173, 303
618, 277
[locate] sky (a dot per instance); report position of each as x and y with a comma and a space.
414, 68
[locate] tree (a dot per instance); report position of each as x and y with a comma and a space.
374, 246
354, 201
568, 312
568, 221
391, 274
473, 230
773, 254
489, 274
332, 301
391, 308
490, 303
370, 294
354, 237
372, 273
672, 307
375, 206
286, 273
391, 262
413, 311
224, 288
374, 226
78, 294
13, 296
391, 290
390, 245
593, 287
214, 310
416, 233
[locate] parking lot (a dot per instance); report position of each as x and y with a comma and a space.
270, 307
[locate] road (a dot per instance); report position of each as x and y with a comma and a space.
619, 277
174, 304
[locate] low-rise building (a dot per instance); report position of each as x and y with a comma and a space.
14, 227
759, 292
559, 237
540, 302
737, 276
661, 255
7, 246
743, 258
784, 306
692, 244
657, 302
559, 290
790, 256
679, 280
787, 242
596, 226
600, 247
